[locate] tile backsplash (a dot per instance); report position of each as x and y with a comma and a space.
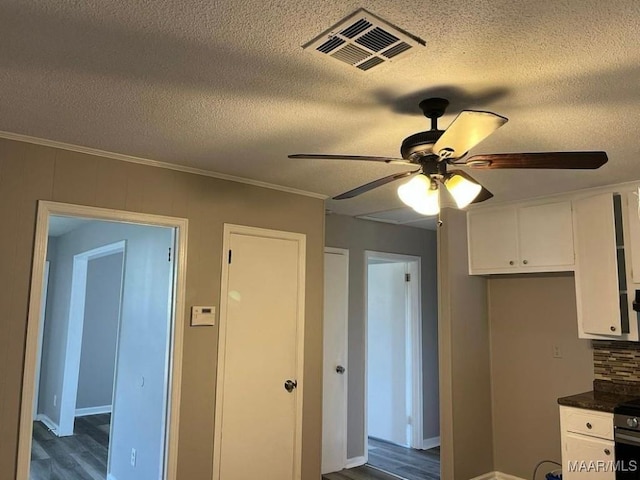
616, 361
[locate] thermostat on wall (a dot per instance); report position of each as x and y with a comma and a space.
203, 316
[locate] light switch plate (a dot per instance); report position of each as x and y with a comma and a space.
203, 316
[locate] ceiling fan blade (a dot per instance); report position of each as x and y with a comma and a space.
314, 156
484, 193
557, 160
468, 129
376, 183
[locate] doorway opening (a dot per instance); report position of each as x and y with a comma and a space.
102, 368
394, 368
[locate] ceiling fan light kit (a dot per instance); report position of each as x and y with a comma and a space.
435, 149
463, 190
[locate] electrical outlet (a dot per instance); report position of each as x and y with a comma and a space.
557, 353
133, 457
55, 400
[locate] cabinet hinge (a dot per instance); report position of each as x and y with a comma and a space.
407, 277
169, 257
229, 257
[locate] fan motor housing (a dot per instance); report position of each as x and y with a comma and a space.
419, 145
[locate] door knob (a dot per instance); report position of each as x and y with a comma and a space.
289, 385
340, 369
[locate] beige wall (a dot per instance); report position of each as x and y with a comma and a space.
357, 236
29, 173
528, 316
465, 387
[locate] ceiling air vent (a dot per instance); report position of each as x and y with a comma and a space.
364, 41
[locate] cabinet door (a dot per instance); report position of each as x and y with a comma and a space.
633, 240
597, 294
587, 457
546, 235
493, 240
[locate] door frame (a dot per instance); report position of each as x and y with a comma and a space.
414, 311
345, 253
230, 229
43, 307
69, 393
180, 225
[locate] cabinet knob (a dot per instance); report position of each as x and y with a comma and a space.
613, 329
589, 426
607, 451
511, 262
525, 261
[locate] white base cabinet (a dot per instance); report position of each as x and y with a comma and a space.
587, 444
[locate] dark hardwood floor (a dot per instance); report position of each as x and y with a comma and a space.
82, 456
406, 463
359, 473
390, 462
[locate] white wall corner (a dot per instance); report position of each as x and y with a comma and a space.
355, 462
428, 443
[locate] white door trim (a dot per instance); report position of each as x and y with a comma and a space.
230, 229
344, 252
43, 307
71, 375
47, 209
415, 341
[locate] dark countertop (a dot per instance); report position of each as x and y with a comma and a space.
594, 400
604, 397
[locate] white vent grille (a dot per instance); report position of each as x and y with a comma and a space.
364, 41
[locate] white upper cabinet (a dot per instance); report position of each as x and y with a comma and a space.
493, 240
521, 239
606, 230
546, 235
632, 240
597, 290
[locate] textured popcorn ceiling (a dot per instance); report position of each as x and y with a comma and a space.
225, 85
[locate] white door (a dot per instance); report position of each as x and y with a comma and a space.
334, 403
388, 362
257, 418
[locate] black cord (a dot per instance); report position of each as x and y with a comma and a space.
535, 470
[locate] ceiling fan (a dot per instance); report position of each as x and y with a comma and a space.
434, 150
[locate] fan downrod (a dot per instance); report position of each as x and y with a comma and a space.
434, 108
417, 147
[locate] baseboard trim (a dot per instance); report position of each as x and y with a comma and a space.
355, 462
50, 424
428, 443
85, 412
497, 476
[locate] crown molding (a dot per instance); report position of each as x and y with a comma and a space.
155, 163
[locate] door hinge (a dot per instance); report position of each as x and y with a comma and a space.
229, 257
409, 420
169, 258
407, 277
